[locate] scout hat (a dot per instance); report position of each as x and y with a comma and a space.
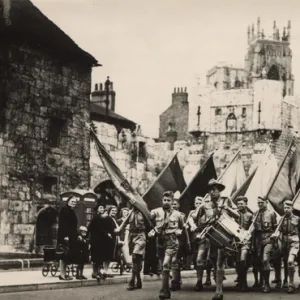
219, 185
288, 202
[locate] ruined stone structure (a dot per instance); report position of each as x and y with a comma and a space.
44, 145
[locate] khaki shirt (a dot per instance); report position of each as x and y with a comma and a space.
136, 222
175, 220
245, 219
290, 228
265, 223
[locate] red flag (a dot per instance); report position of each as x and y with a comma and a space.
119, 180
286, 182
169, 179
198, 185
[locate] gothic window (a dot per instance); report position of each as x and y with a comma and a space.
231, 122
56, 128
218, 111
273, 73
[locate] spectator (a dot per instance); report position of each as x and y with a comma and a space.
101, 231
67, 235
82, 252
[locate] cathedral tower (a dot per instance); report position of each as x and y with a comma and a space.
270, 57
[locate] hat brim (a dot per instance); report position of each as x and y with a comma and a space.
220, 186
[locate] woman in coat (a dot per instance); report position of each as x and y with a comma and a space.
67, 234
101, 232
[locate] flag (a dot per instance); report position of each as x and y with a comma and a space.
241, 191
119, 180
170, 179
262, 179
296, 204
286, 181
198, 185
234, 176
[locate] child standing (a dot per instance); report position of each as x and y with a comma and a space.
82, 249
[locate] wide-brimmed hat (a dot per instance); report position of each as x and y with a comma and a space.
214, 182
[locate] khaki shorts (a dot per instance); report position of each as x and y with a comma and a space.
137, 243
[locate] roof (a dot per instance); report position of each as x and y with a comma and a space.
23, 22
99, 113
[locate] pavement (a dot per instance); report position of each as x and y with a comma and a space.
20, 280
149, 292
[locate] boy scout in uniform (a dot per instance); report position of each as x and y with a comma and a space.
264, 226
218, 205
169, 224
289, 230
137, 245
201, 247
244, 220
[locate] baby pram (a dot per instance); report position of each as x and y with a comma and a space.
52, 256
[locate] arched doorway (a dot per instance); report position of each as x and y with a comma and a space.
108, 194
273, 73
46, 228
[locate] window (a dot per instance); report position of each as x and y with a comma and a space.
244, 112
218, 112
49, 184
88, 215
171, 126
56, 128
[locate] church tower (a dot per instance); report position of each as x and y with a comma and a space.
270, 57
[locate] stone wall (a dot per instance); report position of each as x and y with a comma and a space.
32, 173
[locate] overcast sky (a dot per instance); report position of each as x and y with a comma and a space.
149, 47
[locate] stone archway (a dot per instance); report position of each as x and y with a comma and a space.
273, 73
46, 228
107, 193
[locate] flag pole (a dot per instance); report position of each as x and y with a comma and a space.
280, 167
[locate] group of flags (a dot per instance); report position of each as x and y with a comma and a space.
266, 179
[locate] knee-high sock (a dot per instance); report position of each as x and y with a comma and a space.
219, 281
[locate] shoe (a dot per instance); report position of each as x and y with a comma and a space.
83, 277
130, 286
164, 295
65, 278
266, 288
291, 289
207, 283
78, 277
198, 287
138, 285
285, 285
278, 284
217, 297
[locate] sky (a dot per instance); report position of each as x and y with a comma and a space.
149, 47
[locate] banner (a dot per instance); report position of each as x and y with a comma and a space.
262, 179
286, 182
234, 177
169, 179
198, 185
119, 180
241, 191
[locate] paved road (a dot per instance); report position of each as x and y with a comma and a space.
149, 292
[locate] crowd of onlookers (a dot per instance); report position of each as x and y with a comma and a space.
98, 242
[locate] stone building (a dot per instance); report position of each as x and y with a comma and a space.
173, 122
45, 81
250, 105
